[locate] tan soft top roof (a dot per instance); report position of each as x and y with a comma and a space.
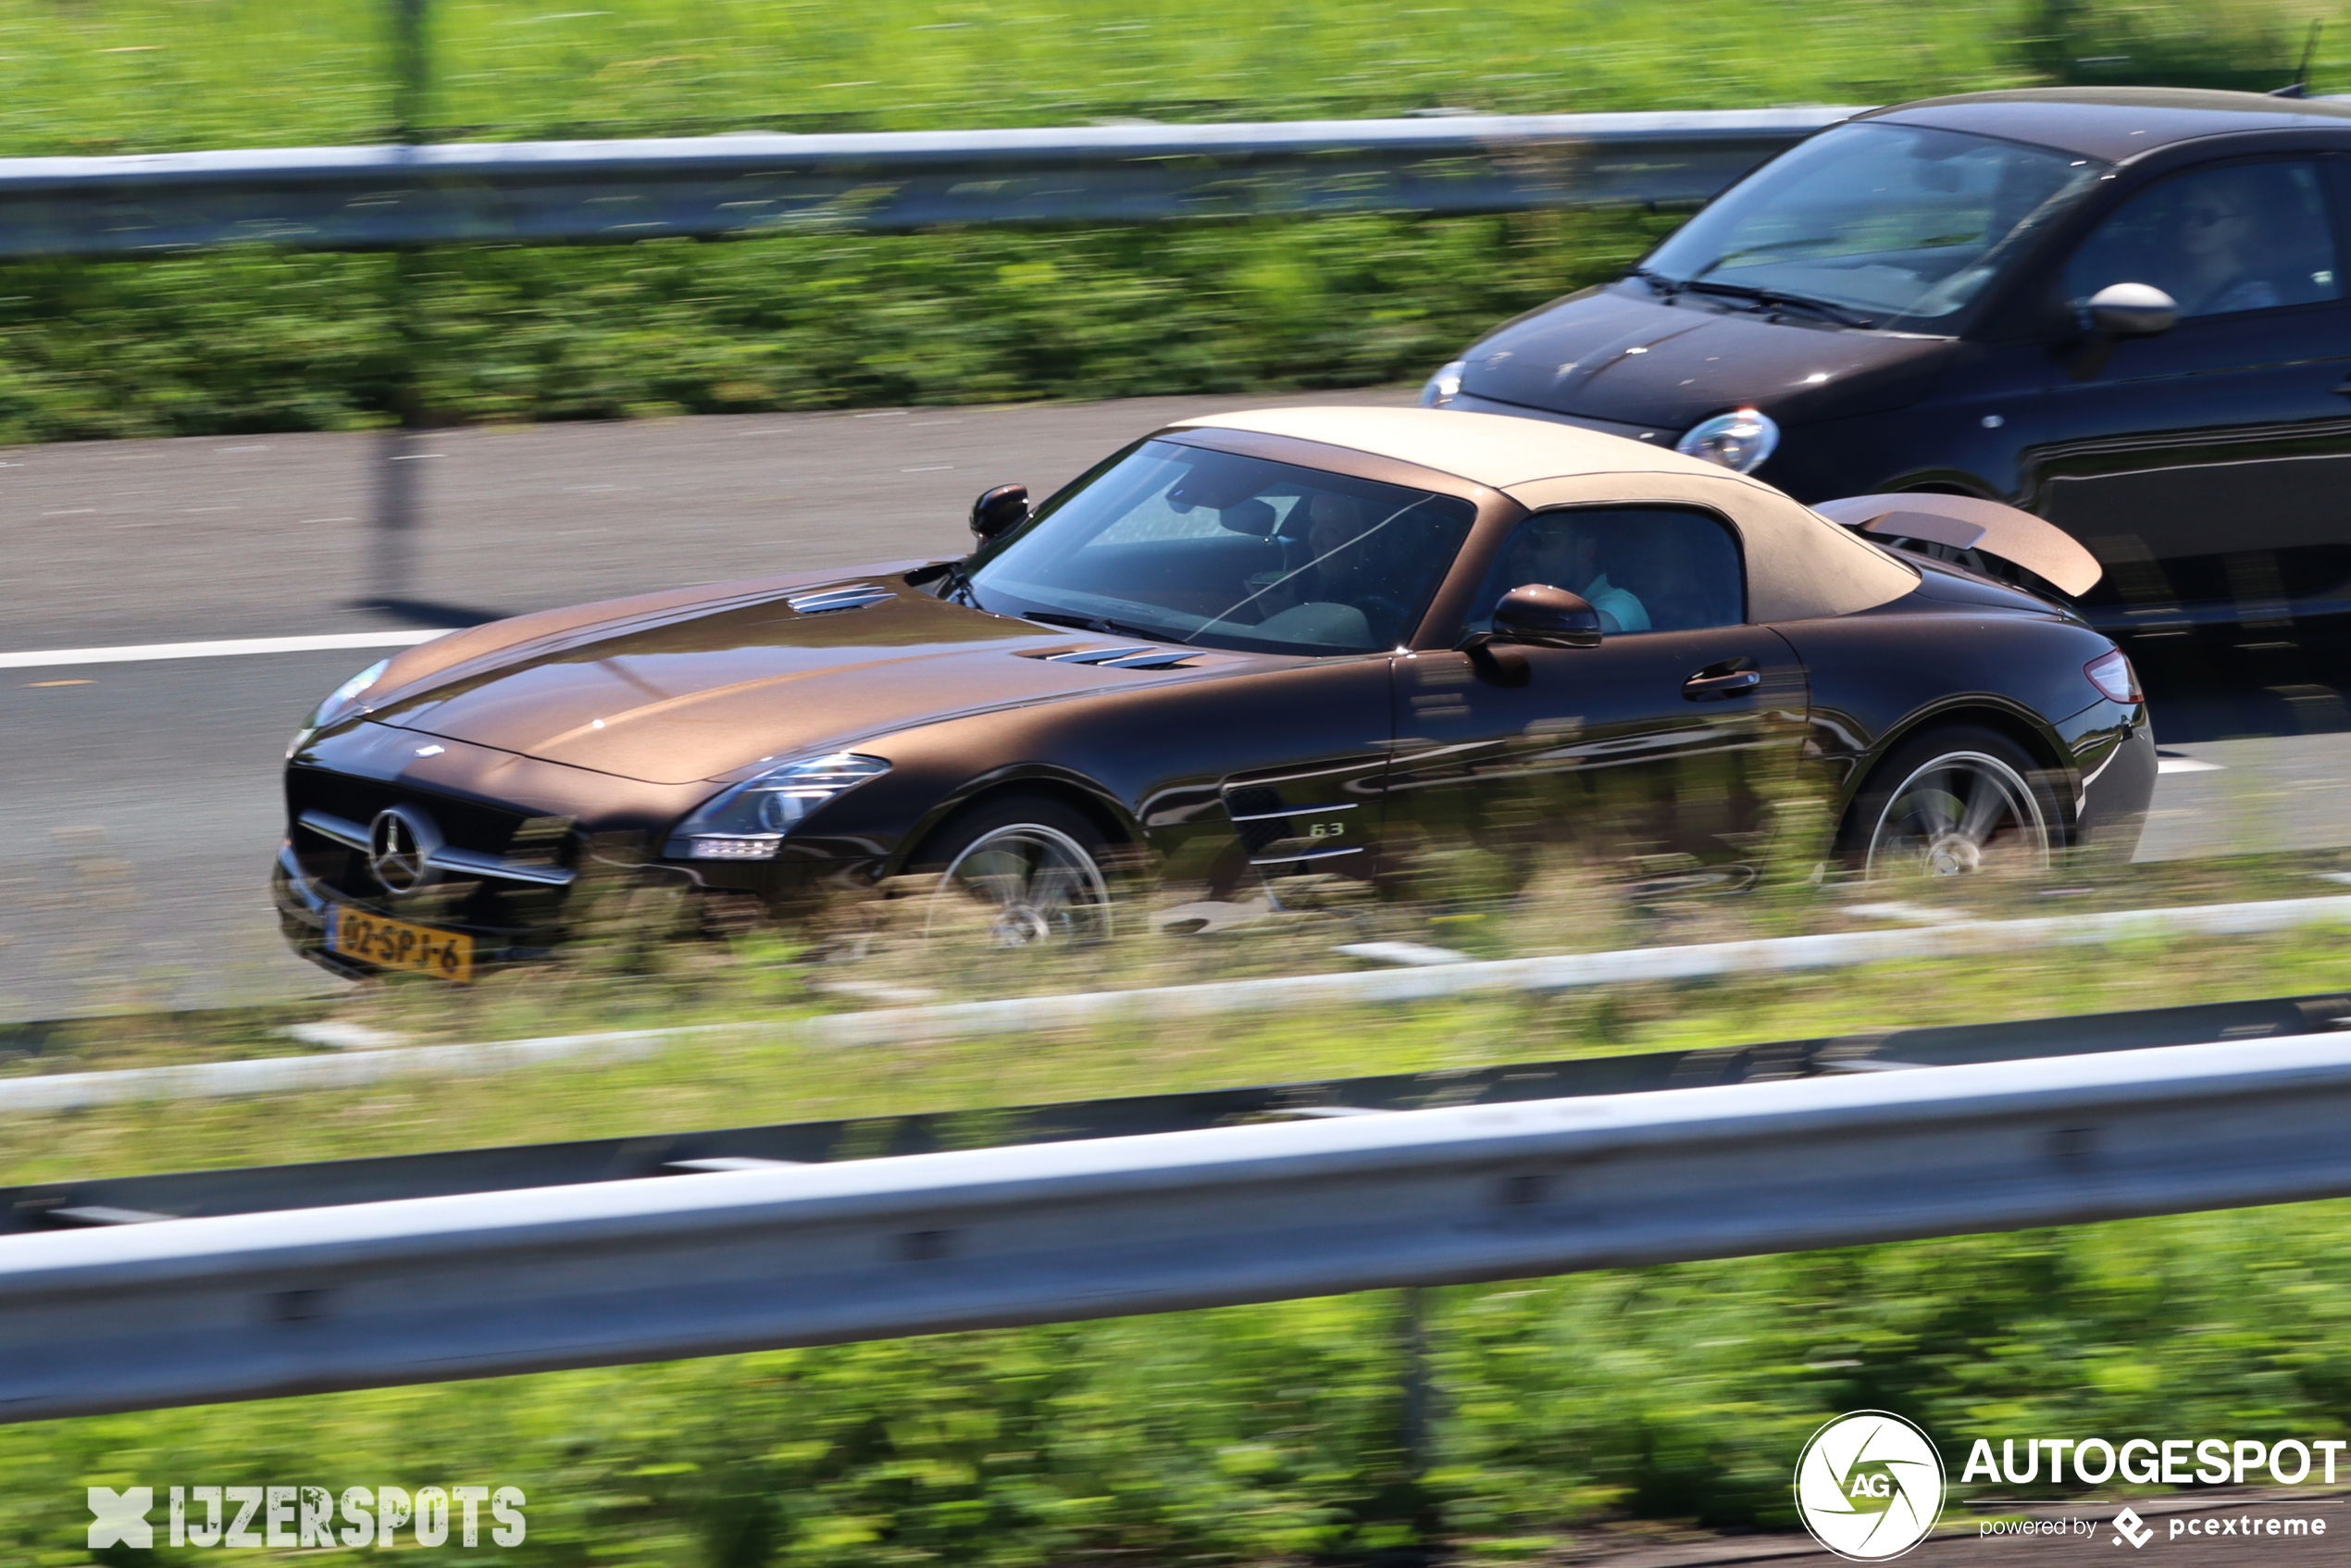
1799, 565
1495, 450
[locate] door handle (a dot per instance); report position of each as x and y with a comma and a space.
1703, 687
2343, 387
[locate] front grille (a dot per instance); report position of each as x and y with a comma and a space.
465, 825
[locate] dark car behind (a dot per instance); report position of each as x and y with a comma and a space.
1905, 297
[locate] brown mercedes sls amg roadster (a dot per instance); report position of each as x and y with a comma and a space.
1238, 651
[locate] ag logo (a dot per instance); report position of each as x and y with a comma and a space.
1869, 1485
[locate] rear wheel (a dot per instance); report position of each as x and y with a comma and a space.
1951, 802
1025, 868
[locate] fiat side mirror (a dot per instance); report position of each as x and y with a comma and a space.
1544, 616
1001, 510
2131, 310
2116, 312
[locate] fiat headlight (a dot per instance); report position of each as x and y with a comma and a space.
749, 820
1739, 441
340, 703
1444, 386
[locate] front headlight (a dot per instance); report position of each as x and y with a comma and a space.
749, 821
1444, 386
1739, 439
340, 703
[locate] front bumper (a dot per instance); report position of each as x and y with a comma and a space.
304, 903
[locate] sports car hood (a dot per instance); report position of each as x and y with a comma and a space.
670, 695
1619, 355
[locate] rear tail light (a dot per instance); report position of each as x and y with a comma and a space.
2114, 677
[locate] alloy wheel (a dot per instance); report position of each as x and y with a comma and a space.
1962, 812
1030, 884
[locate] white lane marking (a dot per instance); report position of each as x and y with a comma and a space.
44, 658
2185, 764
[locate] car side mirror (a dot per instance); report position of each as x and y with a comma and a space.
2116, 312
1001, 510
1544, 616
2131, 310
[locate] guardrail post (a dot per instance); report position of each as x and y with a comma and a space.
392, 572
411, 70
1412, 1429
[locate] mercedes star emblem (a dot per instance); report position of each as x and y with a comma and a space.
400, 846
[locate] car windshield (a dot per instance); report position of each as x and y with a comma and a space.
1183, 544
1898, 224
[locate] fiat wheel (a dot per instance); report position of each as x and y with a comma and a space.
1028, 868
1952, 803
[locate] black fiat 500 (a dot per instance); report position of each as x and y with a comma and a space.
2122, 309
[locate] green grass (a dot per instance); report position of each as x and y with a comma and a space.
149, 74
624, 975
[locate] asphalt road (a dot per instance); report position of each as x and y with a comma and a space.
138, 801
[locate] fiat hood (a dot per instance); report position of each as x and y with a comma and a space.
1619, 355
672, 694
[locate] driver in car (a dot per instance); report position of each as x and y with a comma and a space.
2214, 230
1320, 592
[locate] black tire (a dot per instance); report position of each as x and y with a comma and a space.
1029, 866
1952, 800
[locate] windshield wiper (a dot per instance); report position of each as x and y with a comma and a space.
1097, 622
1669, 287
1776, 297
958, 587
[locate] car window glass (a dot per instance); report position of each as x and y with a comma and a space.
1645, 569
1901, 222
1184, 544
2239, 236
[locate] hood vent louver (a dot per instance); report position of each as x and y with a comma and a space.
1125, 656
855, 596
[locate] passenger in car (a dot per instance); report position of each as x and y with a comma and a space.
1567, 555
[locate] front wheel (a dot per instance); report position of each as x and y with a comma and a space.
1026, 867
1953, 802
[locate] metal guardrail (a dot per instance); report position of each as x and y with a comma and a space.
564, 192
51, 1206
186, 1311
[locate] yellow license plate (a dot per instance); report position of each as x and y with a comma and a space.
395, 944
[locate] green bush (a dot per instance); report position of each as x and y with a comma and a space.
2246, 46
256, 339
1271, 1433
